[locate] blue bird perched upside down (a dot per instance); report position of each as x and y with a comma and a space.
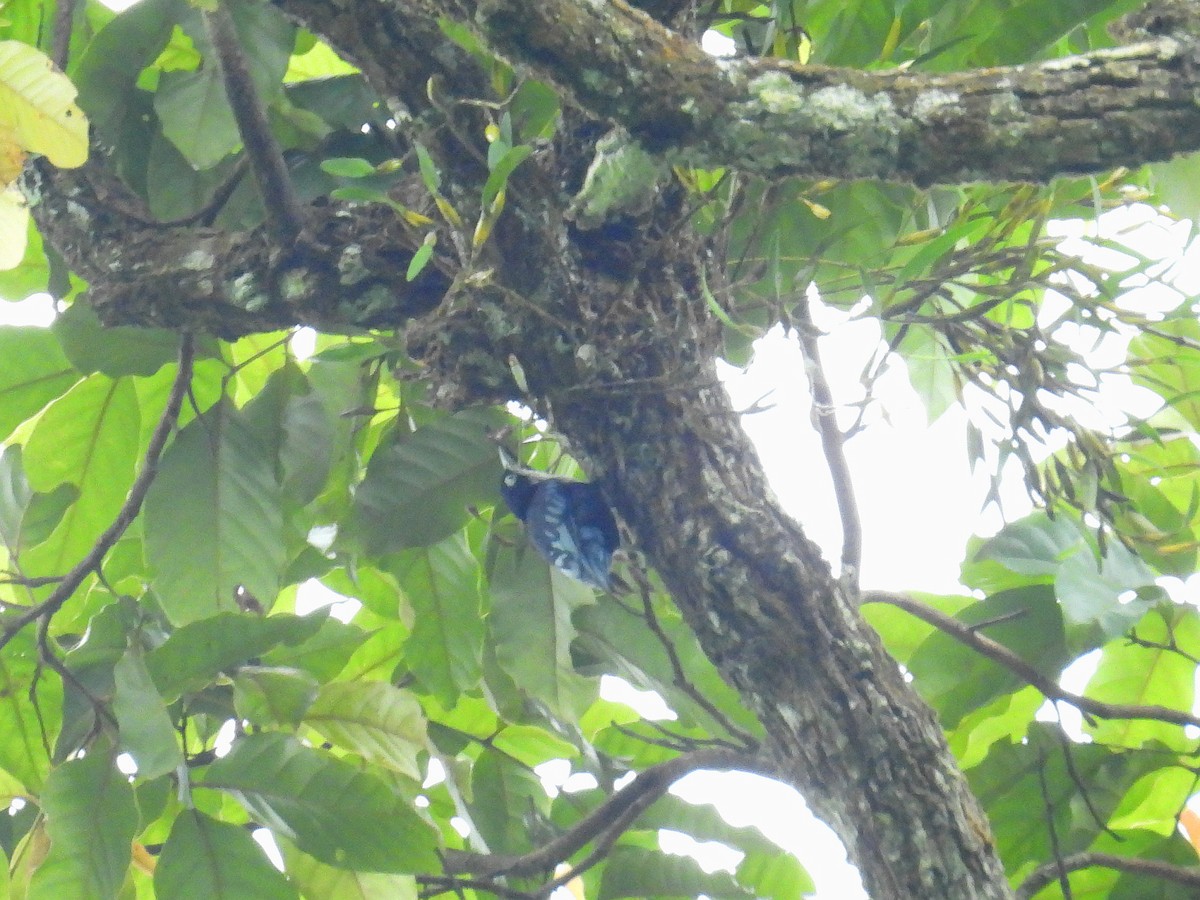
568, 522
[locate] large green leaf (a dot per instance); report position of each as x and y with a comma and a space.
324, 654
641, 873
194, 655
1025, 786
114, 351
337, 812
418, 489
88, 438
373, 719
214, 520
33, 371
503, 798
956, 680
1130, 673
27, 518
315, 879
146, 731
207, 858
196, 116
530, 625
270, 695
22, 753
91, 818
624, 641
114, 59
445, 649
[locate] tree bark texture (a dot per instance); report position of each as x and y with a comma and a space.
618, 346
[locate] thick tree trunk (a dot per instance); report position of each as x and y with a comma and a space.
867, 754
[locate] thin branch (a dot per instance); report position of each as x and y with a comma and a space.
832, 443
998, 653
1048, 807
1045, 874
680, 678
647, 787
285, 214
64, 19
129, 509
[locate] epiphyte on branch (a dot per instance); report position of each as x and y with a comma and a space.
568, 522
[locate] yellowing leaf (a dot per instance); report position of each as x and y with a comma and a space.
14, 228
12, 157
37, 104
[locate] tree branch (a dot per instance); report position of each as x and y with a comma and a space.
832, 442
998, 653
129, 509
1089, 113
285, 215
1049, 872
614, 814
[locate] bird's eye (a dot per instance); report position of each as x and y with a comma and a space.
510, 480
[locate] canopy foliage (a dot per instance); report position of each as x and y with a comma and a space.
318, 246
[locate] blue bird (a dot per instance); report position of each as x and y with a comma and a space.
568, 522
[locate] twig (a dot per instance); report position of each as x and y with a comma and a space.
1073, 774
1048, 806
64, 19
1045, 874
832, 443
680, 678
1170, 646
129, 509
285, 214
998, 653
645, 788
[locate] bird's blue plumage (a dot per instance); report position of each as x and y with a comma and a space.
568, 523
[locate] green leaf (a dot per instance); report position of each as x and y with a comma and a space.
196, 117
114, 59
1022, 785
194, 655
316, 879
331, 809
420, 259
27, 518
777, 876
1154, 801
213, 519
216, 860
273, 695
530, 626
640, 873
503, 797
89, 438
91, 818
501, 171
22, 753
610, 632
91, 347
429, 172
1132, 674
33, 371
146, 731
324, 654
417, 489
1169, 369
956, 680
445, 649
348, 167
377, 721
